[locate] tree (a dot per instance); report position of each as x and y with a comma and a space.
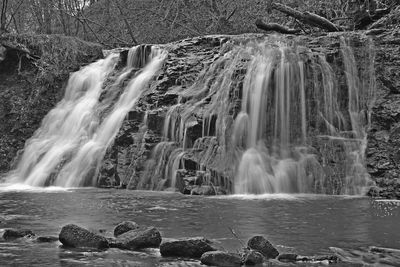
3, 16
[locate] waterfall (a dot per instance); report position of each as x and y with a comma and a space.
273, 118
263, 116
70, 144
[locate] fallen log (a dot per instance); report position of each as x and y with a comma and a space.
275, 27
307, 18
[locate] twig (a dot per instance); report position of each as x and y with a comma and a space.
237, 237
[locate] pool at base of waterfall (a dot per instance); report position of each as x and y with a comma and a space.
302, 224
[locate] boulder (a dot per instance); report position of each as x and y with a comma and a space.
11, 233
46, 239
124, 227
188, 247
252, 257
72, 235
262, 245
221, 258
135, 239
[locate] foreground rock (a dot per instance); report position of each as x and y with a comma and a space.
135, 239
11, 233
253, 257
72, 235
124, 227
189, 247
262, 245
294, 258
221, 258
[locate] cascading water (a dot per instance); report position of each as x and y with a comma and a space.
265, 116
70, 144
283, 128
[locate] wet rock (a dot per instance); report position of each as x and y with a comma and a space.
221, 258
155, 122
287, 257
206, 190
135, 239
11, 233
72, 235
188, 247
46, 239
124, 227
262, 245
320, 258
252, 257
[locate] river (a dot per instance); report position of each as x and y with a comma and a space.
305, 224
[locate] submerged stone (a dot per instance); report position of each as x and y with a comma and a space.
135, 239
46, 239
221, 258
124, 227
318, 258
205, 190
262, 245
11, 233
188, 247
72, 235
287, 257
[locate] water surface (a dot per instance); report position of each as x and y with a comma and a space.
305, 224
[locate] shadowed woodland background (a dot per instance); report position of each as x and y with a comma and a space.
116, 23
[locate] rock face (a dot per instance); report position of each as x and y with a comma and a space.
124, 227
74, 236
33, 72
221, 258
141, 160
189, 248
262, 245
384, 135
138, 239
164, 141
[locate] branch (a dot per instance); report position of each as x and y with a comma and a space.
275, 27
128, 27
232, 13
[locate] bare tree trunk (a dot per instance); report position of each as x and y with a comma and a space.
3, 16
46, 7
62, 16
128, 27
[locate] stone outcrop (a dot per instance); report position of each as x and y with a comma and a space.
77, 237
